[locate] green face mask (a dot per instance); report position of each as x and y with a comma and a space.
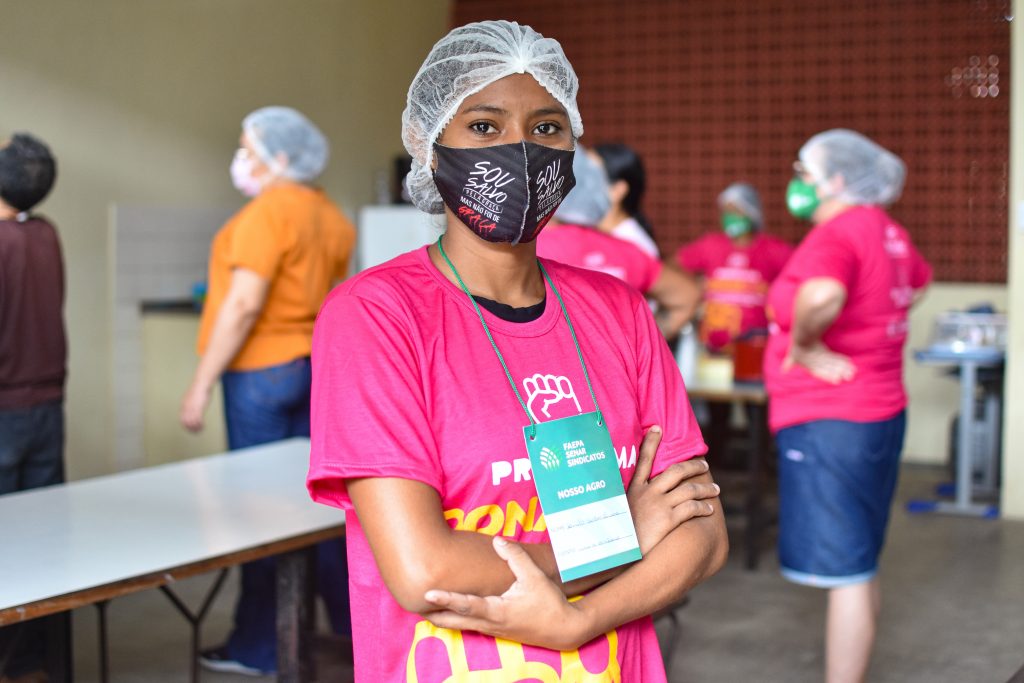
801, 199
736, 224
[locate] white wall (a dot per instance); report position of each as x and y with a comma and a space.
1012, 503
142, 101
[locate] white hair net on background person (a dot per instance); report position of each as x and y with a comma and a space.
871, 173
589, 201
463, 63
276, 130
744, 198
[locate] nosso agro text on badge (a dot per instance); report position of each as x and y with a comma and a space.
577, 490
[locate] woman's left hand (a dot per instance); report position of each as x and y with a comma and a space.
532, 611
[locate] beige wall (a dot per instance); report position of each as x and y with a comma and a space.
167, 365
141, 102
1013, 416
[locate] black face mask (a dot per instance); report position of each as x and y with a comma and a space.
504, 193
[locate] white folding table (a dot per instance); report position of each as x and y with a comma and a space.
89, 541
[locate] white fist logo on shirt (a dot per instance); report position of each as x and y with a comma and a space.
547, 390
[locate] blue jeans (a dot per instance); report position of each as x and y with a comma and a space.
836, 484
31, 456
261, 406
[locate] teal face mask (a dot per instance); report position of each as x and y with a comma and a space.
736, 224
801, 199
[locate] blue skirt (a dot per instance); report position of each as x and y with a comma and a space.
836, 483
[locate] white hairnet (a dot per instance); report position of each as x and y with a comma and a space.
465, 62
744, 198
588, 202
275, 130
871, 173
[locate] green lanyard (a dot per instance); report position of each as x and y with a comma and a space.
565, 314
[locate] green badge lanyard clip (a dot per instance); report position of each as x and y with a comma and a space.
565, 314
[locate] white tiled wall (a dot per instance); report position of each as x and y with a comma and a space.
159, 253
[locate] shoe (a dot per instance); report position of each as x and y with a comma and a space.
217, 659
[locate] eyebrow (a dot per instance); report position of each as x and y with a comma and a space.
498, 111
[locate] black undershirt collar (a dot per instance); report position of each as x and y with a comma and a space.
510, 314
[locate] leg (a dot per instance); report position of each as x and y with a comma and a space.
44, 463
32, 455
850, 631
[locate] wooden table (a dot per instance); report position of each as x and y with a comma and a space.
89, 541
754, 397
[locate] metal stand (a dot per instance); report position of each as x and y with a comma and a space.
964, 460
963, 503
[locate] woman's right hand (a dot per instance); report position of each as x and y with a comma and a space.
822, 362
661, 504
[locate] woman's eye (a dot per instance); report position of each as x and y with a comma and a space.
547, 128
482, 127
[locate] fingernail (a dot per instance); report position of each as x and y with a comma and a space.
500, 541
710, 508
656, 429
706, 465
718, 489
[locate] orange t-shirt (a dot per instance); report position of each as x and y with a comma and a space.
298, 239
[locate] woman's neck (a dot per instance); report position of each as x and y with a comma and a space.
612, 219
829, 209
501, 272
743, 241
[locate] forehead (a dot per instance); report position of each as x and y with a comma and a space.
516, 92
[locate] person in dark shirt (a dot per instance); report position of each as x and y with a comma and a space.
33, 356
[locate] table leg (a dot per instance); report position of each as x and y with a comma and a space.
294, 615
101, 610
755, 471
195, 620
59, 654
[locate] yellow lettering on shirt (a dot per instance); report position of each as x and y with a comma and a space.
512, 656
491, 519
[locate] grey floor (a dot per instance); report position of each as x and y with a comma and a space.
953, 610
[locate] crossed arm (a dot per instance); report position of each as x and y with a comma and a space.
438, 572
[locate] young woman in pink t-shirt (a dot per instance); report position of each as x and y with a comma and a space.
834, 374
426, 369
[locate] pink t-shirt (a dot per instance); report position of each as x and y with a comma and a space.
872, 255
589, 248
736, 280
405, 384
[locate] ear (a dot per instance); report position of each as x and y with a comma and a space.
833, 187
618, 191
281, 159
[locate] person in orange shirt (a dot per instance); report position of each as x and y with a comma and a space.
271, 266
